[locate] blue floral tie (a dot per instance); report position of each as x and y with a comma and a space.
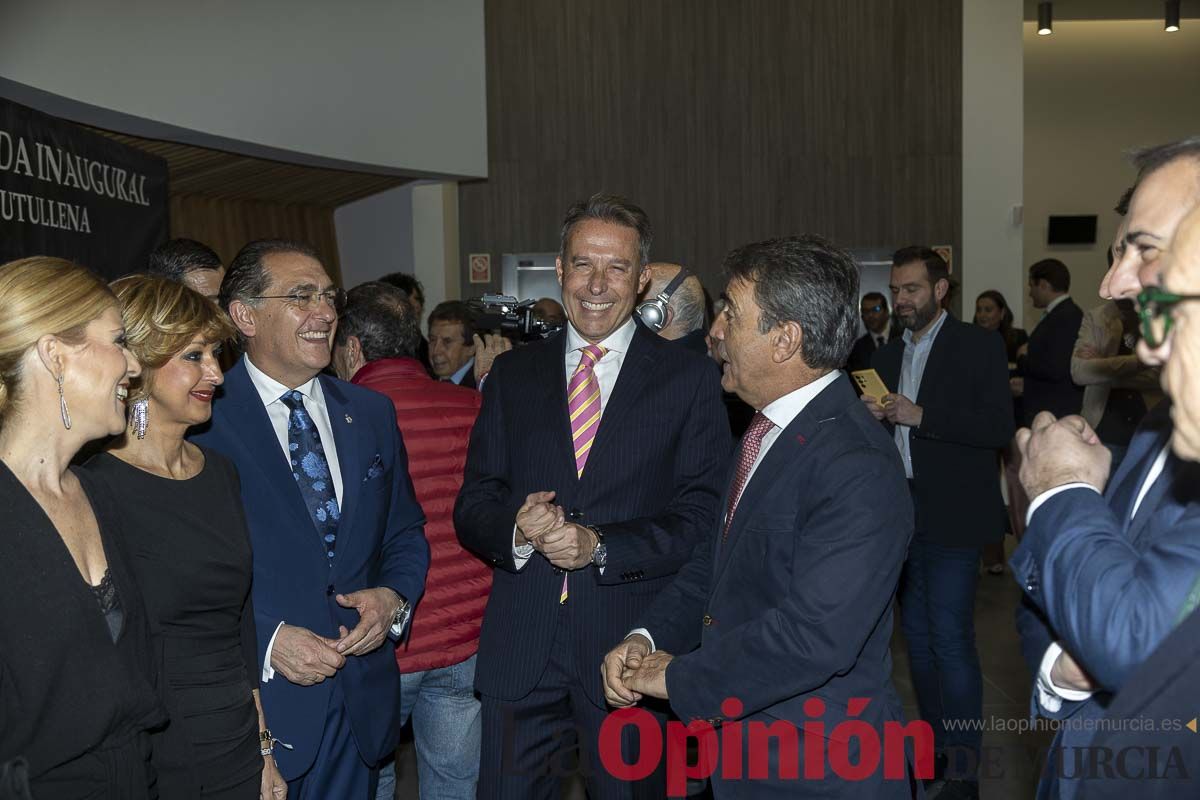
310, 468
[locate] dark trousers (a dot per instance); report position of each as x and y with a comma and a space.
338, 770
529, 746
937, 615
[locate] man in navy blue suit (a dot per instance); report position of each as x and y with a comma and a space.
1106, 575
1164, 686
592, 473
785, 611
339, 547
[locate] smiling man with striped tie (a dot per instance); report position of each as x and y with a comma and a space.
594, 470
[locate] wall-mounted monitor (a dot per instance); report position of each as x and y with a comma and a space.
1072, 229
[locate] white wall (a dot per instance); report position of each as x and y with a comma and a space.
375, 236
991, 151
1093, 90
411, 229
397, 84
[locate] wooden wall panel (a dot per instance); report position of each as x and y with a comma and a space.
225, 225
728, 121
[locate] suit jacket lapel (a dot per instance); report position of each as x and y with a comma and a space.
242, 410
637, 367
788, 448
938, 354
351, 452
550, 398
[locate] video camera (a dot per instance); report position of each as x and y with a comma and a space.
500, 312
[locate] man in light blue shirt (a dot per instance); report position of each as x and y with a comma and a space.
951, 412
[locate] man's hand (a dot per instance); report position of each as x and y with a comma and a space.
626, 656
1016, 385
303, 657
877, 411
486, 350
899, 410
649, 678
1023, 350
568, 546
1067, 674
1056, 452
537, 517
376, 609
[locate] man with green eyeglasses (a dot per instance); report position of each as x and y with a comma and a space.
1108, 562
1164, 686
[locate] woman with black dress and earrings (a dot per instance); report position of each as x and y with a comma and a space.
76, 698
190, 550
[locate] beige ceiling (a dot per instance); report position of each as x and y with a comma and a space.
215, 173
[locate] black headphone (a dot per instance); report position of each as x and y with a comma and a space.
653, 313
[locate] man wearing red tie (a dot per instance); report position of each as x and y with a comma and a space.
593, 471
784, 614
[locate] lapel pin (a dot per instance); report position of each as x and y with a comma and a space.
349, 418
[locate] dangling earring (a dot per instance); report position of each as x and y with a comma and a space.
137, 417
62, 405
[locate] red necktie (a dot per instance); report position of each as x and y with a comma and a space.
751, 443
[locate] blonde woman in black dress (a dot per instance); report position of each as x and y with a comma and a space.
76, 698
183, 519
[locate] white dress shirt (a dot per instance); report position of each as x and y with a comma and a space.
606, 370
1050, 694
270, 391
780, 411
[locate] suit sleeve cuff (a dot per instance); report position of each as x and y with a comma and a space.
268, 671
646, 633
1046, 495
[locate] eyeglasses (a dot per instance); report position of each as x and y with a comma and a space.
875, 309
1155, 309
311, 301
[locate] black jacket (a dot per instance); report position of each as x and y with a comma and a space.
967, 418
1047, 365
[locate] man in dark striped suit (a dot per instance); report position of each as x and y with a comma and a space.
593, 471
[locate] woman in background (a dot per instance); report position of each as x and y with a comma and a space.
992, 312
191, 550
76, 697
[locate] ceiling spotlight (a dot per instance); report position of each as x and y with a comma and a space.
1045, 18
1172, 16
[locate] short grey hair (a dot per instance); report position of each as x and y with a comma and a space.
806, 280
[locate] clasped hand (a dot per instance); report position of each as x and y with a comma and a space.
630, 672
306, 658
1055, 452
543, 525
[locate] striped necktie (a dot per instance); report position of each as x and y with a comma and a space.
583, 404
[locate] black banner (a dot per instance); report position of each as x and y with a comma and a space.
68, 192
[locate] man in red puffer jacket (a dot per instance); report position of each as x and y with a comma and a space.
376, 346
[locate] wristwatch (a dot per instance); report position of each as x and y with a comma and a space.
600, 551
400, 619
